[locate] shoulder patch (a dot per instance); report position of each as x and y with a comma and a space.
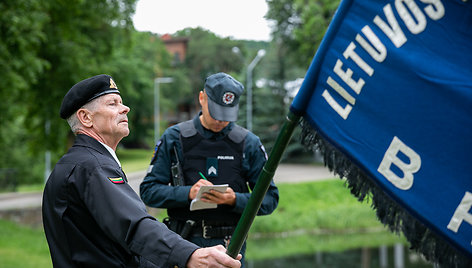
156, 150
118, 180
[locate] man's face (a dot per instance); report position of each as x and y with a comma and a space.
110, 119
207, 121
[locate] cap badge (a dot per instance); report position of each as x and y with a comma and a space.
228, 98
112, 84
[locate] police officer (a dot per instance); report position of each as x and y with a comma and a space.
91, 216
223, 152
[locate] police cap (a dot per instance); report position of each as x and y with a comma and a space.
223, 96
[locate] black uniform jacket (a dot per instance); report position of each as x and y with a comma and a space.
93, 218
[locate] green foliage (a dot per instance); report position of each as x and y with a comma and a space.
134, 68
21, 37
81, 36
208, 54
301, 25
20, 40
45, 48
315, 18
271, 101
269, 112
175, 96
48, 46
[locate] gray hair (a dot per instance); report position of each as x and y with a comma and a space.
73, 120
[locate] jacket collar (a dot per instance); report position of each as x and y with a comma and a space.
89, 142
206, 133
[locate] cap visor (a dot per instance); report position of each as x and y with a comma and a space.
222, 113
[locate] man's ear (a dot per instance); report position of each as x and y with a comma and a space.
85, 117
201, 97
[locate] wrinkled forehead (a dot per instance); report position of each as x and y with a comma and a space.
110, 97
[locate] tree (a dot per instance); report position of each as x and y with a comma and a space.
208, 54
20, 40
135, 67
45, 48
79, 44
271, 100
300, 25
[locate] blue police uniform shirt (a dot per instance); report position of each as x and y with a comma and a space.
155, 190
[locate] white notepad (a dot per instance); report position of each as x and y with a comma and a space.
197, 203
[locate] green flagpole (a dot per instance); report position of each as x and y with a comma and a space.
263, 183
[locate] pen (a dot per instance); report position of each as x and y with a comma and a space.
201, 175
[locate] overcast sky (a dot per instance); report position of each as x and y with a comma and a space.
239, 19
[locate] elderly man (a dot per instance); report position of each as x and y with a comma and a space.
91, 216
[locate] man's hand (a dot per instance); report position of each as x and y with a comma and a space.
212, 257
226, 198
196, 187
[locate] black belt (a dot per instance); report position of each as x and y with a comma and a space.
212, 231
200, 228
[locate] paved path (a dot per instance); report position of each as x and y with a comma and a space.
285, 173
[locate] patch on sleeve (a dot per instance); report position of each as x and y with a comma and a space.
118, 180
264, 151
149, 169
156, 150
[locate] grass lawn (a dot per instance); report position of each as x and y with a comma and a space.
311, 217
316, 216
134, 160
324, 205
22, 246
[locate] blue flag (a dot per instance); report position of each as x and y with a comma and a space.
389, 98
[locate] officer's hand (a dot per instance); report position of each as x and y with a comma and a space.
226, 198
196, 187
213, 257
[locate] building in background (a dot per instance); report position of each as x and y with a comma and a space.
177, 46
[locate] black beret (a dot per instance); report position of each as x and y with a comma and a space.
85, 91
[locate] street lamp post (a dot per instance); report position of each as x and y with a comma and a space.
157, 81
250, 68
